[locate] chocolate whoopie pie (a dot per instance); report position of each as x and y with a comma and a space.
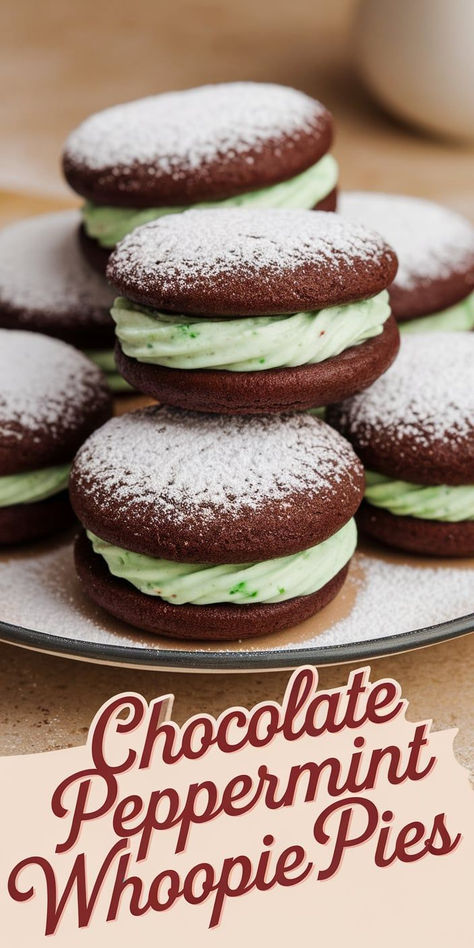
239, 311
433, 288
46, 286
414, 430
51, 399
206, 527
233, 144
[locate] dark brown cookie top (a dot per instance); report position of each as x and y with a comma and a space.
51, 399
250, 262
214, 489
196, 145
416, 422
47, 286
434, 246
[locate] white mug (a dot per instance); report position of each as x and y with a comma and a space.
417, 58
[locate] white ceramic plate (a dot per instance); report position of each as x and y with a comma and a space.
390, 603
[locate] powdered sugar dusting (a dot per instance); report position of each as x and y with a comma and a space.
200, 245
40, 590
43, 384
395, 598
183, 464
431, 242
426, 396
43, 270
179, 131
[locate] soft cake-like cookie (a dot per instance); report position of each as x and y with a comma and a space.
433, 288
200, 526
414, 430
51, 399
252, 311
46, 286
232, 144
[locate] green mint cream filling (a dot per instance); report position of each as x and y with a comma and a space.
31, 486
244, 584
457, 318
108, 225
246, 344
449, 504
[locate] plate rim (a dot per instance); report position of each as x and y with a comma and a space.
184, 660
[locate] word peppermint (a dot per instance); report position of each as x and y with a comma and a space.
130, 737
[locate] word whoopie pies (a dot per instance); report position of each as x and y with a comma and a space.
252, 311
212, 527
233, 144
433, 288
46, 286
414, 430
51, 399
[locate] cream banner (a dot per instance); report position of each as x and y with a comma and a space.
326, 817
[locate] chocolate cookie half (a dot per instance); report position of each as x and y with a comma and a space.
46, 286
414, 430
232, 144
51, 399
434, 286
201, 526
252, 311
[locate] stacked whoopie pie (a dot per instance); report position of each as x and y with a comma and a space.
206, 526
434, 286
47, 286
218, 517
414, 431
51, 399
233, 144
247, 311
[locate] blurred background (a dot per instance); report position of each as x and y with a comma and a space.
61, 60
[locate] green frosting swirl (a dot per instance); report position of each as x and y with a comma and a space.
108, 225
242, 584
449, 504
246, 344
32, 486
458, 318
105, 359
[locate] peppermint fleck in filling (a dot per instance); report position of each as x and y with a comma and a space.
247, 344
271, 581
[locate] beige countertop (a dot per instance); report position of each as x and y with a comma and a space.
48, 703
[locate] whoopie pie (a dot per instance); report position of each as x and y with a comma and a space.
241, 311
46, 286
414, 431
233, 144
212, 527
433, 288
51, 399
